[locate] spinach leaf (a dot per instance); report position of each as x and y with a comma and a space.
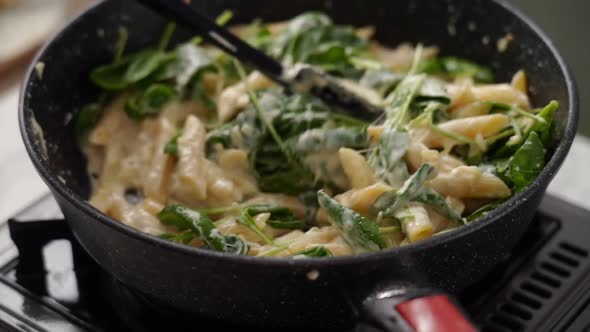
258, 35
235, 245
399, 101
313, 252
455, 67
389, 202
432, 89
543, 125
483, 211
309, 199
287, 180
272, 148
128, 70
151, 102
183, 219
190, 59
317, 140
286, 223
244, 132
171, 147
358, 231
386, 158
439, 203
526, 163
290, 116
91, 113
299, 113
88, 116
196, 88
183, 237
382, 80
112, 76
546, 130
280, 217
314, 39
142, 64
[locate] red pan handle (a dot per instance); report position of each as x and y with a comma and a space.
434, 313
414, 310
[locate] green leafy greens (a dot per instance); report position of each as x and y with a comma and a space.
292, 140
361, 233
185, 219
454, 67
314, 39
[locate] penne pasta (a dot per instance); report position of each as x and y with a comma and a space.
185, 154
356, 168
469, 182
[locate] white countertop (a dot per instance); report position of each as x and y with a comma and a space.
21, 185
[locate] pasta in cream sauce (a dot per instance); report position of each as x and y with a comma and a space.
196, 160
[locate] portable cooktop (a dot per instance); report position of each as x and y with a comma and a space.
48, 283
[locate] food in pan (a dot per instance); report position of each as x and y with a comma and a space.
188, 144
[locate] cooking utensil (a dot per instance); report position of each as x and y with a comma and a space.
332, 293
301, 79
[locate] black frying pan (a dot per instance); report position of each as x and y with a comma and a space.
322, 293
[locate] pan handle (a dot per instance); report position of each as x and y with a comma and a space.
30, 237
413, 310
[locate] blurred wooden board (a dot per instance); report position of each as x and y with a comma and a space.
25, 26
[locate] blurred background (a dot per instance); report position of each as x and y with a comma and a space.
26, 24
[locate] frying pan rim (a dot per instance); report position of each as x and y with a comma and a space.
82, 205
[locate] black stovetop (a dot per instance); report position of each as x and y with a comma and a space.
48, 283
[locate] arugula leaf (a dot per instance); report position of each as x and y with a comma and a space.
313, 252
358, 231
455, 67
151, 102
246, 219
526, 163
